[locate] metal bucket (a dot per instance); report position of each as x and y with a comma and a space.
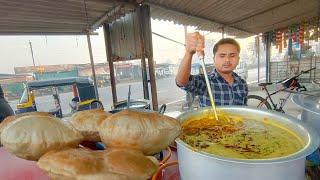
134, 104
200, 165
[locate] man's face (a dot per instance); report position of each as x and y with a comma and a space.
226, 58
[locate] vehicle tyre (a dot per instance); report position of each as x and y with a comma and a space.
95, 105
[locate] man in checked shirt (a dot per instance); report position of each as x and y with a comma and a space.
229, 88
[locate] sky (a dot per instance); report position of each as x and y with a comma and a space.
50, 50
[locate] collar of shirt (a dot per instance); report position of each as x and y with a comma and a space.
215, 74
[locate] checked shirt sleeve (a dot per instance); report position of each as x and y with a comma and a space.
196, 85
246, 93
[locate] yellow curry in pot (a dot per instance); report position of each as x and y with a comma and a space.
238, 138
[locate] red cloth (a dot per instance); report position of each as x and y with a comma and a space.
14, 168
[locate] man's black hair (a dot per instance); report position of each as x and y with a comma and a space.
225, 41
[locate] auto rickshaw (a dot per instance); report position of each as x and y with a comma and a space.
84, 96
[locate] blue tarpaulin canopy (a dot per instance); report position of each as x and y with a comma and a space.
59, 82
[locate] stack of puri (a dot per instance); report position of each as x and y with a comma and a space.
29, 136
131, 137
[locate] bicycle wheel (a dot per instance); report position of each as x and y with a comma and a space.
259, 102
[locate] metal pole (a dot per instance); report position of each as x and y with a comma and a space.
170, 38
146, 23
310, 73
315, 65
143, 60
144, 77
92, 66
268, 55
107, 41
189, 96
30, 44
258, 49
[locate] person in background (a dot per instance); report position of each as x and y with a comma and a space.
5, 109
57, 111
229, 88
74, 104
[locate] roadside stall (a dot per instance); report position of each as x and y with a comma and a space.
237, 143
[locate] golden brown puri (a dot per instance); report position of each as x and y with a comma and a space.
72, 162
87, 122
85, 164
149, 132
106, 176
10, 119
131, 162
30, 137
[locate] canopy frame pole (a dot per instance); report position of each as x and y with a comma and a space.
258, 53
268, 55
145, 21
143, 59
144, 78
92, 66
107, 40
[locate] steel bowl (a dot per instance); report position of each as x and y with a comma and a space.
197, 165
311, 108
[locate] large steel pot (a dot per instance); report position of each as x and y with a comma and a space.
202, 166
311, 109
